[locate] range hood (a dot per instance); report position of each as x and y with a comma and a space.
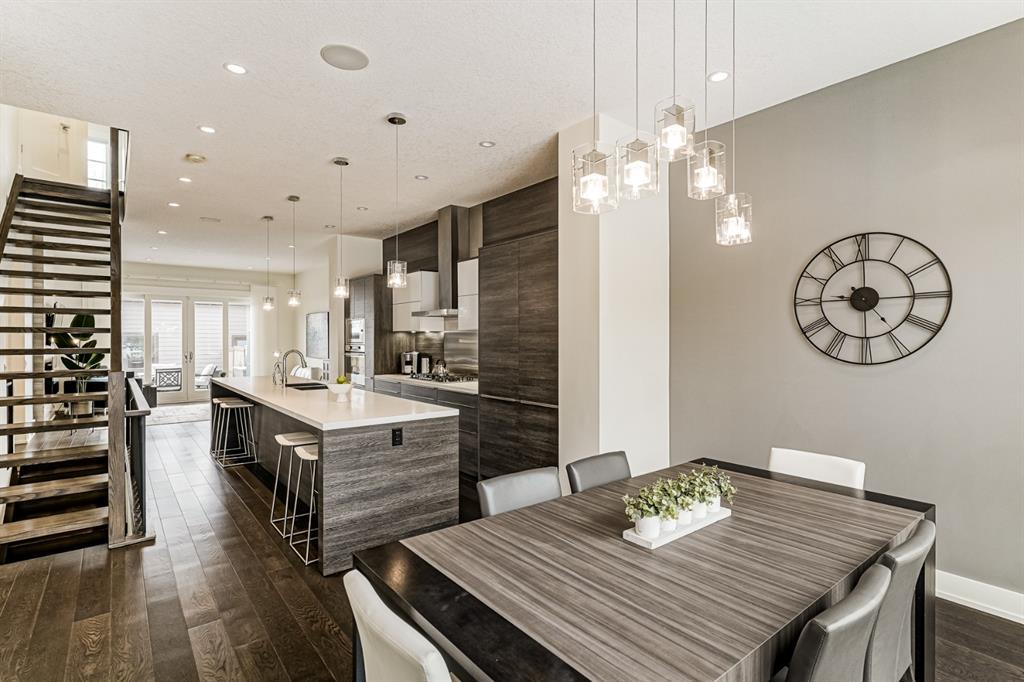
453, 245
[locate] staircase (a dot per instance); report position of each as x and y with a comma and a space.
60, 243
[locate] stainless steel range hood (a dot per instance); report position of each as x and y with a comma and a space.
453, 240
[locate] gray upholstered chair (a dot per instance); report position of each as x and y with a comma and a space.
591, 472
889, 650
521, 489
833, 646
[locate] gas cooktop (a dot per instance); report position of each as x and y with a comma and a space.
442, 378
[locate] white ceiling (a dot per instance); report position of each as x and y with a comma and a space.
462, 70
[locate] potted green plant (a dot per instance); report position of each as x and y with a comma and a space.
723, 485
684, 502
642, 511
80, 361
665, 499
702, 489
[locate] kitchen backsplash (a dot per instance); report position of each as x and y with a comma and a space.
460, 350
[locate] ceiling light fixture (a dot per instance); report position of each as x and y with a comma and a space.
705, 173
149, 260
397, 269
487, 143
594, 176
421, 177
161, 231
268, 300
209, 130
362, 208
638, 165
184, 179
195, 158
341, 282
733, 212
344, 57
173, 204
674, 117
294, 294
154, 248
236, 69
718, 76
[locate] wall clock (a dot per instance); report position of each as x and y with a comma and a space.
872, 298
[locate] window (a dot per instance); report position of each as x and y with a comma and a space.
238, 329
96, 160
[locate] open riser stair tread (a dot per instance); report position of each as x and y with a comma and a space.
54, 374
52, 525
54, 330
57, 232
43, 310
52, 455
52, 398
18, 428
68, 293
52, 351
64, 196
61, 207
57, 260
50, 245
54, 488
55, 276
33, 217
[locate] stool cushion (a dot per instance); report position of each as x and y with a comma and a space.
290, 440
310, 452
233, 405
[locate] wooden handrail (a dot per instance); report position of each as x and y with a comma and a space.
141, 405
12, 199
117, 449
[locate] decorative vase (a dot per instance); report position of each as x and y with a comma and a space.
685, 517
715, 504
668, 525
700, 510
341, 392
648, 527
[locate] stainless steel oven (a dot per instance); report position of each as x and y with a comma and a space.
355, 361
357, 331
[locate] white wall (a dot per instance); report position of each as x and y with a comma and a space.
613, 286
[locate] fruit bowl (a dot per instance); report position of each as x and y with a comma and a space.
342, 392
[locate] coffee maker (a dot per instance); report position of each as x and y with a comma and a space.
410, 364
423, 364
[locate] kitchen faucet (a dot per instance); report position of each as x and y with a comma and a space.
281, 366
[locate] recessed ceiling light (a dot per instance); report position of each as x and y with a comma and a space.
718, 76
154, 248
209, 130
195, 158
236, 69
209, 219
344, 57
291, 246
161, 231
362, 208
330, 227
149, 260
487, 143
249, 268
183, 179
421, 177
173, 204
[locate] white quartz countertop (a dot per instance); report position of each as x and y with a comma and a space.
472, 387
320, 410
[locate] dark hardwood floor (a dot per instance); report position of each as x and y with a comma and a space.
219, 596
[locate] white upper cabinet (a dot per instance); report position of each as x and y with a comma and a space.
469, 277
420, 293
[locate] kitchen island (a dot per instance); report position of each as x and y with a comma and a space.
389, 467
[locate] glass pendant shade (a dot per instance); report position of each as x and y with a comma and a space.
341, 287
594, 180
673, 124
294, 298
733, 219
706, 172
638, 165
268, 303
397, 274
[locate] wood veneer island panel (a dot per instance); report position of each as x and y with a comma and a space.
370, 491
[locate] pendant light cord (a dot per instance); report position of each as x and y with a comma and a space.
734, 97
267, 221
636, 66
396, 192
593, 121
295, 246
707, 123
341, 216
673, 51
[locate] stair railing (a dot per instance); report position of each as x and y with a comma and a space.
136, 411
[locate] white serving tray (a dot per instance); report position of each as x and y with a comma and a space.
630, 535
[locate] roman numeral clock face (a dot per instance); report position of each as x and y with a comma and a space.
872, 298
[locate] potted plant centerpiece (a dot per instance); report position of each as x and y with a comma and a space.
80, 361
723, 484
642, 511
665, 498
684, 501
702, 489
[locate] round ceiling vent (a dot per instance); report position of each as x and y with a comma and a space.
195, 158
344, 57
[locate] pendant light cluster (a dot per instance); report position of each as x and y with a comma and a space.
341, 282
268, 300
397, 269
294, 294
602, 177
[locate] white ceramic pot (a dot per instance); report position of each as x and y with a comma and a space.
342, 392
715, 504
668, 525
685, 518
648, 527
700, 510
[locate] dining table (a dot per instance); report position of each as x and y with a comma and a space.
554, 592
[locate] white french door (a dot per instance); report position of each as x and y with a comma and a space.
179, 343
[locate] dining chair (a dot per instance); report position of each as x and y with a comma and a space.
889, 650
591, 472
521, 489
833, 645
825, 468
393, 650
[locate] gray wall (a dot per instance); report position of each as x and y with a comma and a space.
931, 148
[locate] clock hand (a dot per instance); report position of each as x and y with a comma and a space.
882, 319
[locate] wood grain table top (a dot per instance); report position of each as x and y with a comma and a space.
714, 605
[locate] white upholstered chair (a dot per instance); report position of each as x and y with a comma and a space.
393, 650
825, 468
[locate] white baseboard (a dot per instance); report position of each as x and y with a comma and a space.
997, 601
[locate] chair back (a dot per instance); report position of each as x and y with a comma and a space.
521, 489
833, 645
889, 650
393, 650
825, 468
591, 472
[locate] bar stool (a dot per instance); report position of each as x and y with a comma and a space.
291, 441
237, 411
311, 454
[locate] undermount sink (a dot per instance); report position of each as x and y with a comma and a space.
308, 387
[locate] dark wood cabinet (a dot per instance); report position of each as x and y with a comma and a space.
521, 213
499, 320
537, 374
386, 386
515, 436
371, 301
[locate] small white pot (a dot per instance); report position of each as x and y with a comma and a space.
700, 510
685, 518
715, 504
648, 527
668, 525
342, 392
